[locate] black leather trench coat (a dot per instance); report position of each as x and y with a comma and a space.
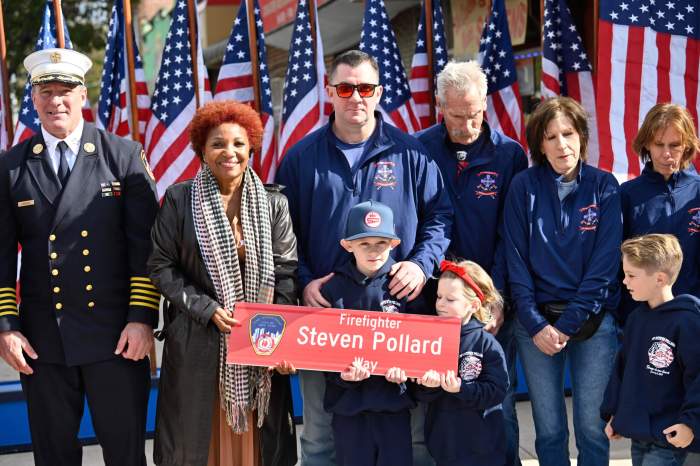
191, 352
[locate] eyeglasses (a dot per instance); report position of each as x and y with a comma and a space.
346, 90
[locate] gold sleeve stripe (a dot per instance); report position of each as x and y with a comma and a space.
11, 290
145, 298
141, 279
145, 292
13, 307
9, 313
8, 295
142, 285
12, 301
144, 304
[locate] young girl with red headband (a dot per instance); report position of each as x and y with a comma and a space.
464, 424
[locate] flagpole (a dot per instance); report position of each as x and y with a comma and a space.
58, 16
253, 47
5, 85
130, 65
193, 49
428, 6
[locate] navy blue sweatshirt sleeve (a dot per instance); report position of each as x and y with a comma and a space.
690, 359
612, 392
287, 176
499, 271
489, 388
434, 230
522, 287
602, 266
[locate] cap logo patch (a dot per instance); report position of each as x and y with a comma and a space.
373, 219
55, 57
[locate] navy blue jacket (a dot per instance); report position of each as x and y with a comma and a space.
652, 205
656, 379
84, 249
467, 427
394, 170
350, 289
478, 195
563, 251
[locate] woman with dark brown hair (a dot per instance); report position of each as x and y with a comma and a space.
563, 235
221, 239
665, 197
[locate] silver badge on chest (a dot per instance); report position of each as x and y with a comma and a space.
461, 155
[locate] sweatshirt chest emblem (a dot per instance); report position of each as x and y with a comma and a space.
488, 185
694, 222
384, 176
390, 306
589, 218
470, 366
660, 355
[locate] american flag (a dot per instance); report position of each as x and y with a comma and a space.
378, 40
114, 107
648, 52
28, 120
304, 101
236, 82
420, 72
504, 110
565, 66
173, 104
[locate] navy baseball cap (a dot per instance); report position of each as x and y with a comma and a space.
370, 218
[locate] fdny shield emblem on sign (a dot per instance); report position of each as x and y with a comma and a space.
266, 332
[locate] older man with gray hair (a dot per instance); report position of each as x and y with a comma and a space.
477, 165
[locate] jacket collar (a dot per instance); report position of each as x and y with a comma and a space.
680, 178
379, 141
473, 324
485, 153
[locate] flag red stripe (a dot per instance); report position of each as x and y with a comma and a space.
635, 55
603, 94
302, 128
504, 117
551, 82
233, 83
171, 154
663, 47
692, 57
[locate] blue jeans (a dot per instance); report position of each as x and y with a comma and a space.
693, 459
506, 337
317, 446
421, 455
655, 454
590, 364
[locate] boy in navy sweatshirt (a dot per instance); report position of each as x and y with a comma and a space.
371, 419
653, 396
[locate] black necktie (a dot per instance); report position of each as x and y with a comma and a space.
63, 170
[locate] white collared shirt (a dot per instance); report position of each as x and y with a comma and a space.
73, 141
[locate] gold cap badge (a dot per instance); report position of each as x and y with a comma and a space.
55, 57
89, 147
37, 149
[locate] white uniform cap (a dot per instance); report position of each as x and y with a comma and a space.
57, 65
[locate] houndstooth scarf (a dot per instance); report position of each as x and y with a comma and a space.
241, 388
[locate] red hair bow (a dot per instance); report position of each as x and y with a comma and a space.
461, 272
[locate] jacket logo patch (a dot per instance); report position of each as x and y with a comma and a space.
470, 366
694, 223
660, 355
391, 306
111, 188
384, 176
589, 219
266, 332
487, 185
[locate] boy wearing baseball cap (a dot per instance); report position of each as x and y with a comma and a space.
371, 419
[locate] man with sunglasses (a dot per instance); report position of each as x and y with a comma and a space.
477, 163
358, 157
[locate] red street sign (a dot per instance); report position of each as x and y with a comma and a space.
331, 339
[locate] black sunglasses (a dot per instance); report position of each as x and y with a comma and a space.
346, 90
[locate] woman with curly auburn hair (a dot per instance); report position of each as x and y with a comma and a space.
562, 242
220, 239
665, 197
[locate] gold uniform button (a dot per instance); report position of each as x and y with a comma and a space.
52, 237
86, 252
54, 272
87, 268
59, 306
91, 304
56, 289
84, 233
88, 287
53, 255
